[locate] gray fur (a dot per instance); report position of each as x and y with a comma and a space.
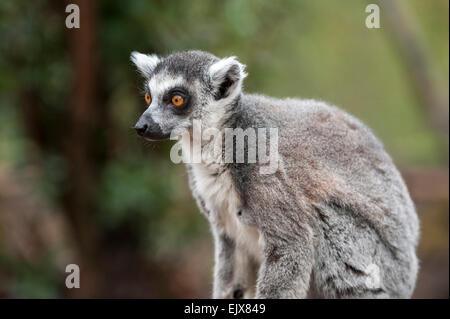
336, 205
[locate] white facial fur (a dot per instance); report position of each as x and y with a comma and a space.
158, 85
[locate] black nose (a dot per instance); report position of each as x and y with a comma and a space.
141, 128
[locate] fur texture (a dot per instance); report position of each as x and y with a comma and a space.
334, 221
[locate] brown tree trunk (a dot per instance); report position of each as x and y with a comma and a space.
83, 112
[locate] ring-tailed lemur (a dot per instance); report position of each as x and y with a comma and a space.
335, 220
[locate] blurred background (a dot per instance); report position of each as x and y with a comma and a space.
78, 186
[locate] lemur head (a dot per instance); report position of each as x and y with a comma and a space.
186, 86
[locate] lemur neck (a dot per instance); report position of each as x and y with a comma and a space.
207, 133
232, 111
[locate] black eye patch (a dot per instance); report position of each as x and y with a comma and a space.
177, 91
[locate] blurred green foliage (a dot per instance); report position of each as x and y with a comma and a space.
310, 49
32, 280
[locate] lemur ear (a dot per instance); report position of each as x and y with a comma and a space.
145, 63
226, 77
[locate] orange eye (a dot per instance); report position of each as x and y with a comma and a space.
148, 98
177, 100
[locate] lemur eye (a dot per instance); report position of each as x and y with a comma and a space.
177, 100
148, 98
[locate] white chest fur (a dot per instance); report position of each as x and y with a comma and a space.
215, 186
